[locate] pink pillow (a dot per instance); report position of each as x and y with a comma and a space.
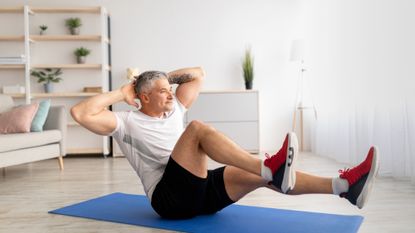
18, 120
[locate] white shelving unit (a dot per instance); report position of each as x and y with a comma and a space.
30, 40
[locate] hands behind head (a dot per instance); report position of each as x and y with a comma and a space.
129, 94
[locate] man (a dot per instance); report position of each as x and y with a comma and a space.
172, 162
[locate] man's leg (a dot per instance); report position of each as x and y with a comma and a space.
200, 140
244, 173
238, 183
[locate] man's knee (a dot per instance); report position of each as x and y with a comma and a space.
199, 126
196, 125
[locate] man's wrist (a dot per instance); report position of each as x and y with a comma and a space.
120, 94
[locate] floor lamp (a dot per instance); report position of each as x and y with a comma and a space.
301, 103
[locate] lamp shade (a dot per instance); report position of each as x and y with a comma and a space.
297, 50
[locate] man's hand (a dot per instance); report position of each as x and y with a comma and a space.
129, 94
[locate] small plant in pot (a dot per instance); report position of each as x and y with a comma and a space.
73, 25
248, 69
47, 76
43, 29
81, 54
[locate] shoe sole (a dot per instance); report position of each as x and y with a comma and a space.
367, 188
288, 182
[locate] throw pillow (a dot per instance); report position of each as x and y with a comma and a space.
40, 117
18, 120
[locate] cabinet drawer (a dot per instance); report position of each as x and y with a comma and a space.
245, 134
220, 107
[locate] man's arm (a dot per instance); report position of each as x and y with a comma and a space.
189, 80
93, 115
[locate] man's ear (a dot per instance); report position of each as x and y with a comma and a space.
144, 98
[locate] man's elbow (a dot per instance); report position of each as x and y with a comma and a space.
76, 113
202, 73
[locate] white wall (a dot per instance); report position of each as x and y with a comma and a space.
166, 35
360, 62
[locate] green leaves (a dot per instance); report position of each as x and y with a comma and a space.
73, 22
43, 27
248, 66
82, 52
47, 75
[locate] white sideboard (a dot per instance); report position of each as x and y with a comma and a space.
234, 113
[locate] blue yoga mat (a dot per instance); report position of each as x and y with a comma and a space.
136, 210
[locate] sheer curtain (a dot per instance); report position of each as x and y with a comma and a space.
345, 132
360, 63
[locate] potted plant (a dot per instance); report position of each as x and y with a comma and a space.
81, 54
74, 25
43, 28
248, 69
47, 76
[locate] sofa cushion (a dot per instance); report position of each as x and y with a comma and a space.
40, 117
9, 142
18, 120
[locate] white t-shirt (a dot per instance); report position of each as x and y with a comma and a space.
147, 142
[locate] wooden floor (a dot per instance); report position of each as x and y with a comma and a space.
28, 192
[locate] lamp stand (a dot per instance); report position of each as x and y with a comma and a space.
299, 106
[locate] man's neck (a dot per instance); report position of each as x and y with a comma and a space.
152, 113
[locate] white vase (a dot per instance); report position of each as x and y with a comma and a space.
81, 59
75, 31
48, 87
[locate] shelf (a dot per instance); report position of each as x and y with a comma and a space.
57, 94
63, 66
88, 10
84, 151
12, 66
16, 38
34, 38
69, 66
67, 38
18, 9
11, 38
64, 94
16, 95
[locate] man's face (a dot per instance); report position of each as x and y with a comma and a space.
161, 96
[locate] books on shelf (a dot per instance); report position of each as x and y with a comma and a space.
13, 89
12, 60
93, 89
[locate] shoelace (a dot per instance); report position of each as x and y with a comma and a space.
270, 157
352, 175
270, 161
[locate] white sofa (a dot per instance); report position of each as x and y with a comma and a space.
22, 148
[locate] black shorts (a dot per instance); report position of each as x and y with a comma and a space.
180, 194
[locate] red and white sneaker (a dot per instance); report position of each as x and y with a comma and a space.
361, 178
282, 164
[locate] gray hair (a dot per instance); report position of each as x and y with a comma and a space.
145, 81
